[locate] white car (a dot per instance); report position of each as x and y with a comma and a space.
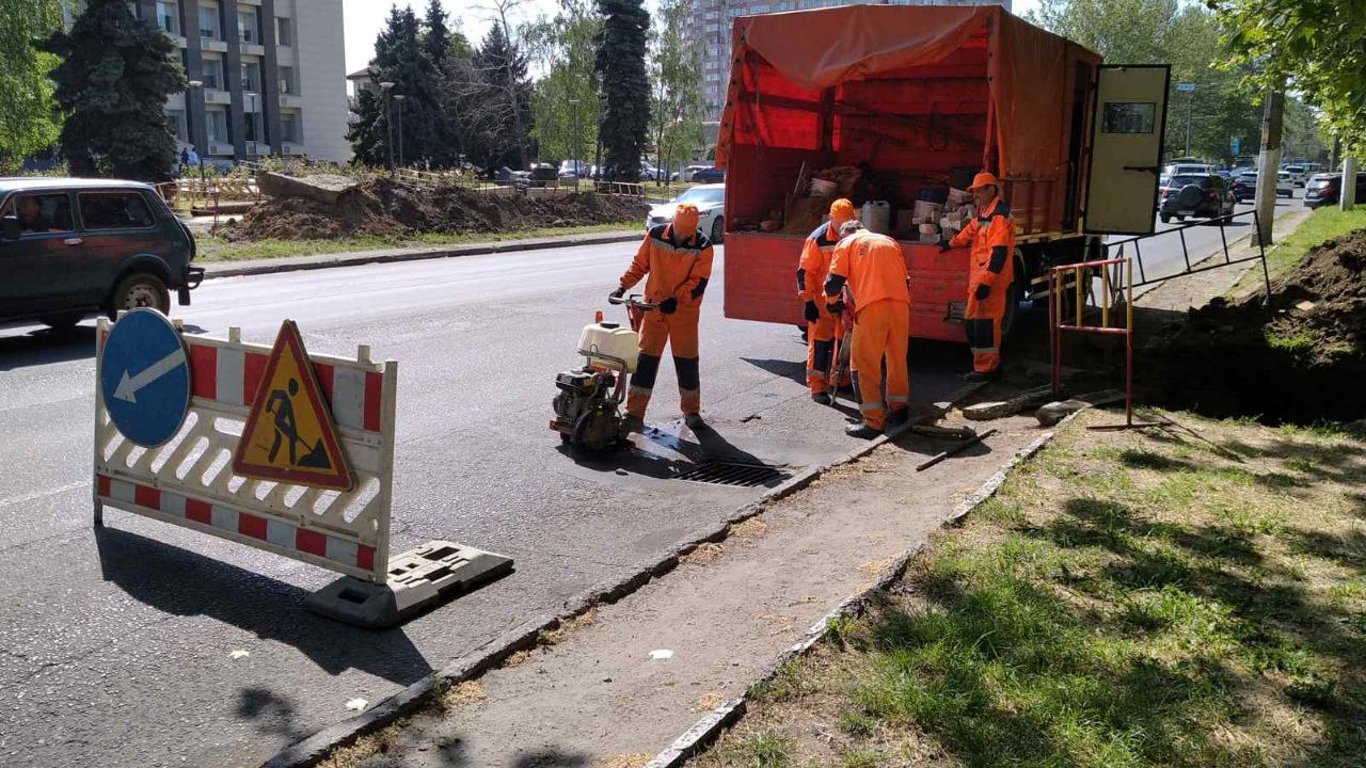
1299, 175
710, 200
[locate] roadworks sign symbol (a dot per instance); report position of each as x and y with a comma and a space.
289, 435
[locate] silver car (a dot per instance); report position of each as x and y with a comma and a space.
710, 200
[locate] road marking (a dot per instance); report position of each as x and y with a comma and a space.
129, 385
40, 494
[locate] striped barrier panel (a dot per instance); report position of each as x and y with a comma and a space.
189, 481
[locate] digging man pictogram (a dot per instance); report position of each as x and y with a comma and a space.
281, 406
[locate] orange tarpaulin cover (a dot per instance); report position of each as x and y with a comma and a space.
814, 50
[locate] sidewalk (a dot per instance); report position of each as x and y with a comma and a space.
216, 269
616, 686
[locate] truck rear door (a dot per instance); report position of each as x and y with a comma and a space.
1126, 151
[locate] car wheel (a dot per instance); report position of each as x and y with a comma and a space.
140, 289
64, 321
718, 229
1179, 217
1165, 217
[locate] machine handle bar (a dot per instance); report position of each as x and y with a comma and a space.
632, 301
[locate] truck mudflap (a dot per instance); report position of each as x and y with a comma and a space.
192, 278
761, 283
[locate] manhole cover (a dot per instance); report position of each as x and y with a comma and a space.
733, 473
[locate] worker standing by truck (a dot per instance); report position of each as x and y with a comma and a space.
874, 268
677, 258
991, 269
821, 327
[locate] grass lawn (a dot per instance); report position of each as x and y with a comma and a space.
217, 249
1322, 224
1182, 597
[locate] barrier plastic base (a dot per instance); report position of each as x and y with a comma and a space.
418, 580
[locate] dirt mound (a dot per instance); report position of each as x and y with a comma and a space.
388, 208
1298, 356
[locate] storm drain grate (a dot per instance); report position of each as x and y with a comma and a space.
733, 473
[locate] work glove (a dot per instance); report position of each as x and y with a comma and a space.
618, 293
813, 312
668, 306
944, 245
835, 308
982, 291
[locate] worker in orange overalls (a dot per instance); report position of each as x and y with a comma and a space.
991, 269
874, 269
677, 257
822, 328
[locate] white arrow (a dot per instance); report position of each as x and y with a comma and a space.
129, 386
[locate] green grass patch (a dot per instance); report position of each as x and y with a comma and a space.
217, 249
1323, 224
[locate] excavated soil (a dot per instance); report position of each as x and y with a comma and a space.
1299, 356
388, 208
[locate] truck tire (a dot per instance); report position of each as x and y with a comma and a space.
1165, 217
139, 289
63, 322
1014, 295
718, 230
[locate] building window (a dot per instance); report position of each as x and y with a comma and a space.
217, 123
289, 127
251, 76
178, 122
287, 80
213, 74
168, 17
282, 31
248, 26
208, 22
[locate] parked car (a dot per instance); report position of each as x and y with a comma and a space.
575, 169
1299, 176
1326, 189
710, 176
1245, 186
710, 201
1200, 196
71, 248
691, 170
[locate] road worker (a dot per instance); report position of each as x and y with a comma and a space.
991, 269
677, 258
874, 269
822, 328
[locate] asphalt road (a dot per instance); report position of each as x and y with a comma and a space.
143, 644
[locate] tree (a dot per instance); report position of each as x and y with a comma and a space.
115, 76
436, 43
493, 120
676, 108
565, 102
625, 87
401, 59
28, 119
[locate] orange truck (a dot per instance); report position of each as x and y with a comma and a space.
918, 96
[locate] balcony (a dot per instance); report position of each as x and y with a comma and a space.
291, 100
212, 96
220, 148
292, 148
257, 148
210, 44
252, 49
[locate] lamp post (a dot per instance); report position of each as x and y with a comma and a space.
399, 98
578, 159
386, 86
198, 85
1190, 109
251, 115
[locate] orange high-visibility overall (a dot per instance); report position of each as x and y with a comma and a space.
875, 271
679, 269
991, 269
821, 334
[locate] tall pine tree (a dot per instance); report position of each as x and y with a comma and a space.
116, 73
495, 102
625, 87
401, 59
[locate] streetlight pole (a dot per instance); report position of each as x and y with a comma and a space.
578, 159
399, 98
388, 124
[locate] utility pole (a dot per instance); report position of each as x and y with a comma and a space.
399, 99
1270, 161
388, 125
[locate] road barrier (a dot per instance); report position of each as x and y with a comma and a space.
177, 463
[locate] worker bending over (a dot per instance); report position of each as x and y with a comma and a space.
874, 268
822, 328
677, 257
991, 269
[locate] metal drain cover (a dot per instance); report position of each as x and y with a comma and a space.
733, 473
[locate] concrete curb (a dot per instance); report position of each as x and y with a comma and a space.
315, 748
214, 270
710, 726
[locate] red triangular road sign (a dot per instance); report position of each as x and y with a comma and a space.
289, 435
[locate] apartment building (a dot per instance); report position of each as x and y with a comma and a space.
267, 77
712, 34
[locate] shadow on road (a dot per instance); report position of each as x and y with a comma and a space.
182, 583
48, 345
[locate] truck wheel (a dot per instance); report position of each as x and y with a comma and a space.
64, 321
718, 229
140, 289
1014, 295
1165, 217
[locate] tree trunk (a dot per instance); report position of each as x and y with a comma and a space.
1347, 198
1270, 162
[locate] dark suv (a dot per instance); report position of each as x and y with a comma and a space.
1326, 189
1203, 195
70, 248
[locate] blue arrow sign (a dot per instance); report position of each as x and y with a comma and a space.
145, 377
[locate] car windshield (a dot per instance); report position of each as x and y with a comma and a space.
700, 195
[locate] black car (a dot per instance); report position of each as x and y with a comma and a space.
1205, 195
1244, 186
1326, 189
710, 176
70, 248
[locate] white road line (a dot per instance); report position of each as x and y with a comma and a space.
40, 494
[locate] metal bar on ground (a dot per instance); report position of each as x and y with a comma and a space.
1185, 250
957, 449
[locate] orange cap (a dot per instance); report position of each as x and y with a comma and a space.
685, 220
984, 179
841, 211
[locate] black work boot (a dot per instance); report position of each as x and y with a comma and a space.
693, 420
861, 430
821, 397
975, 376
633, 423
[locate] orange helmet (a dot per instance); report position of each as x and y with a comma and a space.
841, 211
984, 179
685, 220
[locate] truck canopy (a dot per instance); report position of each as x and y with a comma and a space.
913, 92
